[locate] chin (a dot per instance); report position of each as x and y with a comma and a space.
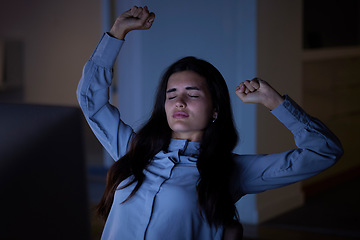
181, 127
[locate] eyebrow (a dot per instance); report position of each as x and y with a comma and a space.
187, 88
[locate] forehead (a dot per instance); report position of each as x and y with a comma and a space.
186, 79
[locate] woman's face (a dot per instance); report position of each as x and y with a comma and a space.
188, 105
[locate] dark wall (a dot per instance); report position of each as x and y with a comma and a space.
331, 23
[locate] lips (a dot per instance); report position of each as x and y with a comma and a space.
180, 115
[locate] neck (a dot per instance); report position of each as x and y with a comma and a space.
192, 137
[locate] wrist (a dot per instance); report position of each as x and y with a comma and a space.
118, 33
274, 102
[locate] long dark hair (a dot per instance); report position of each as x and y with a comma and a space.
214, 163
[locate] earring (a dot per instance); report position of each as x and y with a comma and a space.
215, 117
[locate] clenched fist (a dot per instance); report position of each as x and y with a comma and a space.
258, 91
137, 18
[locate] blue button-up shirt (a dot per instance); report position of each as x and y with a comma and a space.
165, 206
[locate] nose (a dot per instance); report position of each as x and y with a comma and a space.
180, 103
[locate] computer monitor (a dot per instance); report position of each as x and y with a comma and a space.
43, 190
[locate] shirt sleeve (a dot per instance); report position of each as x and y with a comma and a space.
317, 149
93, 97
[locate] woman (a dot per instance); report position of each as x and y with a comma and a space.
177, 178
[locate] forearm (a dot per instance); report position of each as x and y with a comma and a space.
93, 96
97, 75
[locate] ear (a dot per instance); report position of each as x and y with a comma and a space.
215, 114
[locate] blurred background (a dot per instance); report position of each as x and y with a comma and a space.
306, 49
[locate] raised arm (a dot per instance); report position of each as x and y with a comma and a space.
93, 88
317, 147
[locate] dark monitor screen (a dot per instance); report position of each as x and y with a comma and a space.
42, 173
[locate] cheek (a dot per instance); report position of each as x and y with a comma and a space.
166, 106
205, 113
167, 109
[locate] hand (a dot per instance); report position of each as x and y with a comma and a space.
258, 91
137, 18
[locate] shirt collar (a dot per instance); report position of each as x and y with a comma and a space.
185, 147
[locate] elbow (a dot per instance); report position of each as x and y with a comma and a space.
82, 86
78, 92
80, 95
339, 152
